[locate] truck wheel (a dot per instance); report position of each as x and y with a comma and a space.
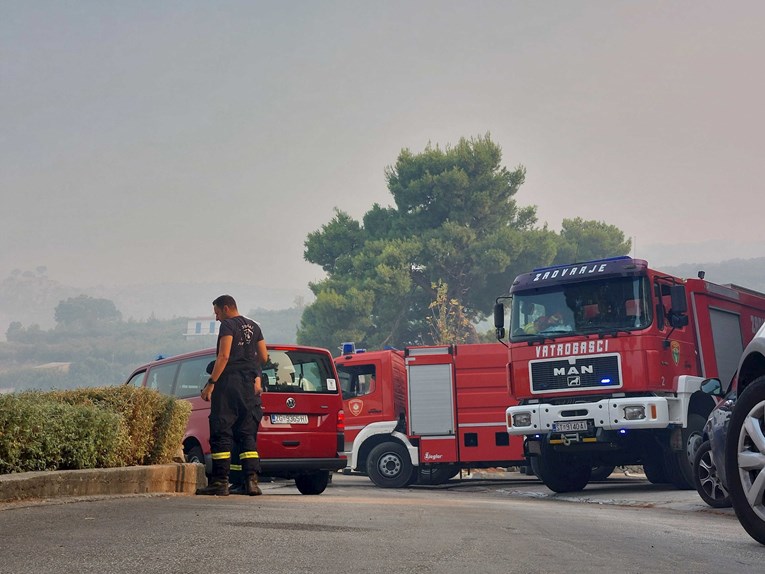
653, 465
561, 472
599, 473
679, 465
389, 466
312, 483
745, 459
534, 464
437, 473
708, 484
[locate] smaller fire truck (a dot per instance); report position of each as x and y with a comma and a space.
424, 413
610, 362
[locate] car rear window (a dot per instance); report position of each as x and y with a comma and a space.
298, 371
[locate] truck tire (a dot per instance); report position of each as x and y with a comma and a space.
745, 459
437, 473
313, 482
602, 472
561, 472
706, 479
389, 465
678, 464
653, 465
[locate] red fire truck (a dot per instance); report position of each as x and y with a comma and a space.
610, 360
424, 413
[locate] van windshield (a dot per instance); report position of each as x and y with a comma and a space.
298, 371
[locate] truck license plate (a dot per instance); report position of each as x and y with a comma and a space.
569, 426
289, 419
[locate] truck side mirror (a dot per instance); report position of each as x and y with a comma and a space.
677, 296
677, 315
499, 320
499, 315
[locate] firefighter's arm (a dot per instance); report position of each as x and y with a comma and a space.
221, 360
262, 351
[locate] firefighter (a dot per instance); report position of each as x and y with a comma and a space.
233, 406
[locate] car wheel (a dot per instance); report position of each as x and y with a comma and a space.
389, 465
708, 484
312, 483
745, 459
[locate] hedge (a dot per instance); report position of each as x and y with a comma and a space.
89, 428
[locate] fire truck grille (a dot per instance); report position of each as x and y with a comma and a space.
599, 371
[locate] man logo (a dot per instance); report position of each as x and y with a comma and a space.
574, 381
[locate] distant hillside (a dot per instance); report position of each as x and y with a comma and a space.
30, 297
749, 273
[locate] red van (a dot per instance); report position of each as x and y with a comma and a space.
301, 435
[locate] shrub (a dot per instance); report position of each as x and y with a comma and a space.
38, 432
89, 428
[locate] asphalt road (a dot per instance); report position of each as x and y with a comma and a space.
508, 524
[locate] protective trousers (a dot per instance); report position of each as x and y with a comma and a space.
234, 414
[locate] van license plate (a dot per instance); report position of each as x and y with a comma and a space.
569, 426
289, 419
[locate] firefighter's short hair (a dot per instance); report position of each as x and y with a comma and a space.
224, 300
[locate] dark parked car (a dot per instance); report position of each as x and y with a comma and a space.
729, 466
744, 463
709, 457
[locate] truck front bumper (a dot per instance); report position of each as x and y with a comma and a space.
608, 414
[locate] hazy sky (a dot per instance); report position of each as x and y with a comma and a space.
189, 141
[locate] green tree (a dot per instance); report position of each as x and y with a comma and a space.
582, 240
453, 241
86, 312
455, 223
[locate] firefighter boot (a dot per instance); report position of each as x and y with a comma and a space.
251, 486
216, 487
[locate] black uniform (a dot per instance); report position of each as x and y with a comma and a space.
235, 411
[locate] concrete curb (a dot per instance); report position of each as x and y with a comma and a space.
181, 478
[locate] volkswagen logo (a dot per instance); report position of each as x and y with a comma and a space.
290, 403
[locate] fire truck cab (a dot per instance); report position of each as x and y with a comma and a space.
609, 362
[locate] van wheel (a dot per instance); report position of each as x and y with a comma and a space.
194, 454
389, 466
745, 459
312, 483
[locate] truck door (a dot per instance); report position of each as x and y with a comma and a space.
432, 415
364, 395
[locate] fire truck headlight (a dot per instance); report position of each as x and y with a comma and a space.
634, 413
522, 420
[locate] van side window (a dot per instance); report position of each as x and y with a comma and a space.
137, 379
192, 376
161, 378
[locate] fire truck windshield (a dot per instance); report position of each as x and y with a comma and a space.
599, 306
